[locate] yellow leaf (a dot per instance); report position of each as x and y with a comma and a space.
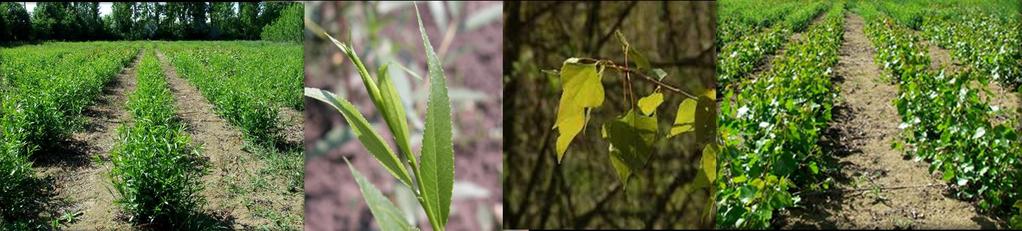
581, 89
649, 104
685, 119
709, 162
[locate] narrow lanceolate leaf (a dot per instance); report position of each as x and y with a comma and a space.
437, 169
581, 89
394, 113
365, 133
374, 91
384, 96
388, 217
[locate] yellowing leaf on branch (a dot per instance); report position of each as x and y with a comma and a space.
649, 104
684, 122
581, 90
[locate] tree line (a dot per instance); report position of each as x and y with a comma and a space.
81, 21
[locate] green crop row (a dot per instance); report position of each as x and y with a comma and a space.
984, 41
45, 91
771, 126
945, 122
155, 169
246, 85
737, 18
741, 56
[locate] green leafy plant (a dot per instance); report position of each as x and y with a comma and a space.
431, 177
154, 166
288, 27
771, 126
632, 136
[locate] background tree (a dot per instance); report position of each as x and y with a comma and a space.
15, 23
249, 19
122, 19
223, 20
81, 21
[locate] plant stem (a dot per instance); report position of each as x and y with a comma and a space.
647, 78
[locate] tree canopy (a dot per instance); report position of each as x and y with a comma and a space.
81, 21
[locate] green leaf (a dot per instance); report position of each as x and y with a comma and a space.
394, 113
437, 170
685, 120
365, 133
384, 95
813, 167
374, 91
388, 217
649, 104
631, 138
641, 63
582, 89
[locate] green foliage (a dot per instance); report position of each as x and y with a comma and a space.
980, 39
247, 83
771, 128
154, 166
739, 56
289, 27
43, 93
946, 122
433, 179
633, 135
388, 216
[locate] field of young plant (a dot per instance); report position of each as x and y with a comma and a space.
880, 115
107, 135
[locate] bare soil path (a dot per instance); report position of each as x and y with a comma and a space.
79, 171
877, 186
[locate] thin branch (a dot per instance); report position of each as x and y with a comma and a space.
645, 77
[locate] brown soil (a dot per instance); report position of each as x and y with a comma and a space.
229, 164
294, 124
79, 172
877, 186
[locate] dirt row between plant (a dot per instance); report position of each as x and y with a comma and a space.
230, 165
78, 172
877, 186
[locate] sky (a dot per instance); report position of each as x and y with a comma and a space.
104, 7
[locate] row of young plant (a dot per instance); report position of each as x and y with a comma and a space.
156, 171
740, 57
736, 18
945, 122
988, 42
247, 86
771, 126
46, 89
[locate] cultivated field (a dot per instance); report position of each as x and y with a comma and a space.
864, 114
109, 135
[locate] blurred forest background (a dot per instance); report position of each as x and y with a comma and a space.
583, 191
467, 36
